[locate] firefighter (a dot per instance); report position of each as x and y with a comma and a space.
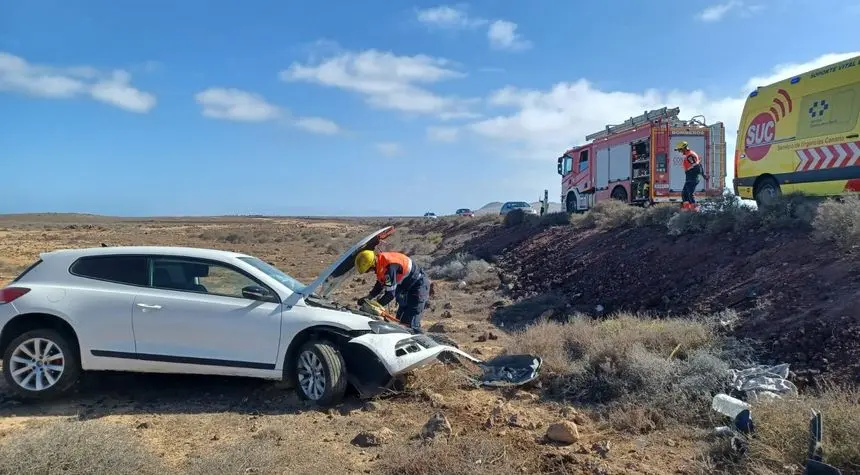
692, 170
397, 277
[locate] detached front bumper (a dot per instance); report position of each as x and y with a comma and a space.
374, 361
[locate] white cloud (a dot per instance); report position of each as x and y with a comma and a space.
243, 106
117, 91
719, 11
450, 17
317, 125
442, 134
387, 81
17, 75
235, 104
503, 35
389, 149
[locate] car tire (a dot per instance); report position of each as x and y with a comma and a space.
60, 353
315, 360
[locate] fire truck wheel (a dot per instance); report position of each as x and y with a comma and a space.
619, 193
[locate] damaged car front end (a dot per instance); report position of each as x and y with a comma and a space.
376, 352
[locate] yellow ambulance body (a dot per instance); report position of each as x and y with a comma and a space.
801, 134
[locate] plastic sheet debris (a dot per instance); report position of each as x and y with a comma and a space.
763, 382
510, 370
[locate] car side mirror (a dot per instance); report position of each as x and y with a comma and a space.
255, 292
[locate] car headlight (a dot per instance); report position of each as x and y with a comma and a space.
382, 328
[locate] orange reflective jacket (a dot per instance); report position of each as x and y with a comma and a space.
691, 159
385, 259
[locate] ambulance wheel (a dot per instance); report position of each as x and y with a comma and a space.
767, 192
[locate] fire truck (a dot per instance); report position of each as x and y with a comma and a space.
635, 161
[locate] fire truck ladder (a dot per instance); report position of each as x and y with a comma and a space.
649, 116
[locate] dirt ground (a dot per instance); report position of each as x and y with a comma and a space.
211, 425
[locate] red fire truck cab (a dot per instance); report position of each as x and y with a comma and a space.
634, 162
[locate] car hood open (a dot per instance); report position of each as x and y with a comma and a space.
337, 272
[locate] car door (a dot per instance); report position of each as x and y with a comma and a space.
196, 313
101, 303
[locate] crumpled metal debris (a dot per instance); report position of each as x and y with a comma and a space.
763, 382
510, 370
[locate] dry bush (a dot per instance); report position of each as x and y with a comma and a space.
464, 267
517, 217
473, 454
657, 215
611, 214
687, 223
792, 210
839, 221
72, 447
560, 218
782, 430
625, 361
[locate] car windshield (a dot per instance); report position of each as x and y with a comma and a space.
275, 273
463, 210
520, 204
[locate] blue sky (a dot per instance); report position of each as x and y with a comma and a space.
373, 107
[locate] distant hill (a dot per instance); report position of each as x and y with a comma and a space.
495, 206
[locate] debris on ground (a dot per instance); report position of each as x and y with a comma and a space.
763, 382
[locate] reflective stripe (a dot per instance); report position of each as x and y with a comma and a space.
385, 259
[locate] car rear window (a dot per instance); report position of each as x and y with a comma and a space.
131, 270
28, 269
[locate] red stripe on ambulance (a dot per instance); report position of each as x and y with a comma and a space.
828, 156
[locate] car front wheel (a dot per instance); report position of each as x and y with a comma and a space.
40, 364
320, 373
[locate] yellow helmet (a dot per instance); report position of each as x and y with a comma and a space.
680, 145
364, 261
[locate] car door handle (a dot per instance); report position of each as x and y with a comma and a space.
149, 307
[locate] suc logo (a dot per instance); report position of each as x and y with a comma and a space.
762, 129
760, 134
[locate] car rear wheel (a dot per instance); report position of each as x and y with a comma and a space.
40, 364
320, 373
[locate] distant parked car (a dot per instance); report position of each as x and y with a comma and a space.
465, 212
430, 215
521, 205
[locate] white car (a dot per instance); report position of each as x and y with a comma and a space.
520, 205
200, 311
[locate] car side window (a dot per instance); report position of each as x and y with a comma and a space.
131, 270
191, 275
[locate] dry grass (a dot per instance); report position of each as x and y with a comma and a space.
611, 214
839, 221
466, 268
782, 430
72, 447
625, 361
473, 454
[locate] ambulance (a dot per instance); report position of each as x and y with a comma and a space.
801, 134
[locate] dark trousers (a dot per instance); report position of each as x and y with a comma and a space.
412, 300
690, 185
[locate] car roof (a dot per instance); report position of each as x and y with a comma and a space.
195, 252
